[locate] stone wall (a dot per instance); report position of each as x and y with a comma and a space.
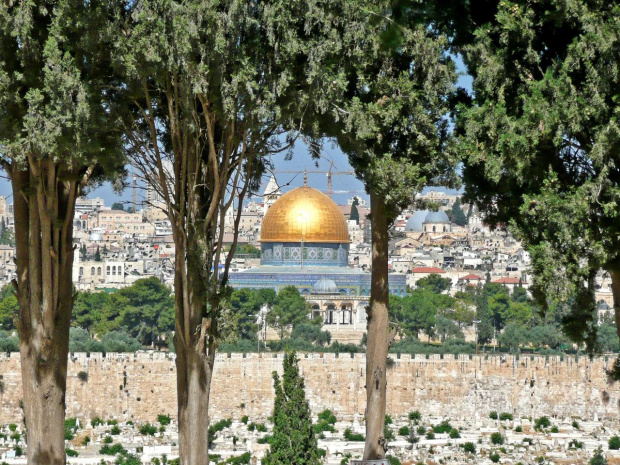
139, 386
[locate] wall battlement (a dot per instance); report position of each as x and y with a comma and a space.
140, 386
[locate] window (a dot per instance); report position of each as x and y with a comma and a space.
108, 270
81, 271
113, 271
98, 271
92, 271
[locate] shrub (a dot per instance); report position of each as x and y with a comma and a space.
454, 434
430, 435
505, 416
112, 422
85, 440
113, 449
528, 440
575, 444
351, 436
12, 427
542, 422
108, 440
575, 424
403, 431
415, 416
443, 427
82, 376
469, 447
388, 419
327, 416
493, 415
18, 451
421, 430
163, 420
614, 443
71, 453
518, 429
261, 428
115, 430
245, 419
148, 429
494, 457
96, 422
598, 458
497, 439
15, 436
393, 460
555, 429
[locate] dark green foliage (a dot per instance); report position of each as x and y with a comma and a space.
108, 440
294, 441
245, 419
115, 430
148, 429
598, 458
221, 425
393, 460
457, 214
575, 444
351, 436
83, 376
494, 457
71, 453
118, 206
493, 415
435, 283
421, 430
443, 427
403, 431
8, 343
355, 214
469, 447
325, 422
163, 420
540, 142
8, 308
311, 333
518, 429
554, 429
497, 438
454, 434
70, 428
289, 310
415, 416
614, 443
128, 459
541, 423
430, 435
113, 449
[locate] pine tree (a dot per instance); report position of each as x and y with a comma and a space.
293, 441
458, 216
98, 255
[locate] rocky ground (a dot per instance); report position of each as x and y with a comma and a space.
501, 439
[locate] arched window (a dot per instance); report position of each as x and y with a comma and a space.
107, 269
98, 271
92, 271
81, 271
445, 229
434, 229
113, 271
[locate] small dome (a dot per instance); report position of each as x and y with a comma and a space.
437, 217
603, 306
414, 223
95, 237
325, 286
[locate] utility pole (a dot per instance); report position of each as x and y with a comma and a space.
135, 193
475, 322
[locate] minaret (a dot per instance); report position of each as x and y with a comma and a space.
271, 194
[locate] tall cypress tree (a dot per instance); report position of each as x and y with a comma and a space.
293, 442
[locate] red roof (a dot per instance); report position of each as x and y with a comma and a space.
508, 281
427, 269
471, 277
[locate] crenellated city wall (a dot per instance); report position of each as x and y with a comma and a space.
140, 386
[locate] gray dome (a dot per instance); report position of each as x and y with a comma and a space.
437, 217
414, 223
325, 286
603, 306
95, 237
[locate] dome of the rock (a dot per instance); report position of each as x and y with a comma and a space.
325, 286
305, 213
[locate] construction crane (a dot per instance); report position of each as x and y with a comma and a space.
329, 174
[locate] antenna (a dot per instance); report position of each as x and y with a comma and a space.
135, 193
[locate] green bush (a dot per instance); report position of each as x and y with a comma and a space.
388, 419
421, 430
393, 460
85, 440
497, 439
518, 429
415, 416
430, 435
96, 422
541, 423
598, 458
18, 451
505, 416
245, 419
554, 429
403, 431
351, 436
148, 430
575, 424
12, 427
71, 453
454, 434
443, 427
575, 444
493, 415
112, 449
108, 440
112, 422
164, 420
15, 436
327, 416
494, 457
614, 443
115, 431
469, 447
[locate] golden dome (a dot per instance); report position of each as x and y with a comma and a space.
304, 212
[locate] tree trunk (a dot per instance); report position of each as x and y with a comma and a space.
43, 211
195, 355
378, 334
615, 291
